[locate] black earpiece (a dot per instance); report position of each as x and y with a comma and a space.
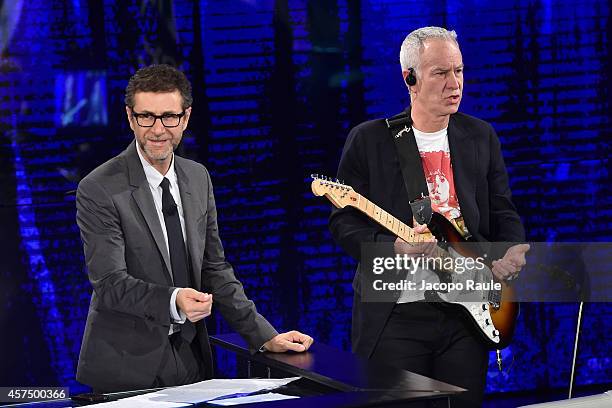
411, 77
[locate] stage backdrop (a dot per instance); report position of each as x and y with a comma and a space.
277, 86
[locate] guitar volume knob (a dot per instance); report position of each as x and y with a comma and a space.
495, 333
485, 306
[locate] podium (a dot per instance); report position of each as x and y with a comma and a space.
337, 378
330, 378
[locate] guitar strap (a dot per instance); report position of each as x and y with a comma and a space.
400, 128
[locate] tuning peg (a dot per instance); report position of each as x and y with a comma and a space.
314, 176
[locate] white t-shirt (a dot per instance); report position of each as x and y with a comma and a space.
436, 161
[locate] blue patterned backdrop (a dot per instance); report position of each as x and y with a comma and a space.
277, 86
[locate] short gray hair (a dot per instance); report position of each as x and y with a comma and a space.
410, 52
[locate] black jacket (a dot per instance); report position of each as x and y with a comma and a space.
370, 165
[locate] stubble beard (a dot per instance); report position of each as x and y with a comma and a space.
157, 155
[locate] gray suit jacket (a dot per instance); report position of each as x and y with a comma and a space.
128, 267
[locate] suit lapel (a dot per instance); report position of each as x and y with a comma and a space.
190, 212
144, 200
463, 158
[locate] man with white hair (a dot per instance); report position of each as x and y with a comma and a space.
428, 338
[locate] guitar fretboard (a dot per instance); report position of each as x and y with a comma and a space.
388, 221
396, 226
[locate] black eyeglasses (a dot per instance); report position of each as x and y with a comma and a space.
169, 120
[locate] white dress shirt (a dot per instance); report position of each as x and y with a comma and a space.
154, 178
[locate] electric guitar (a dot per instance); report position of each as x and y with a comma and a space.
494, 313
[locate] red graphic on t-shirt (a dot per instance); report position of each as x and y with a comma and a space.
440, 182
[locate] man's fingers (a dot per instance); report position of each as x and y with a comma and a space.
200, 314
504, 270
307, 342
498, 271
419, 228
523, 247
199, 296
289, 345
196, 317
294, 335
194, 294
195, 306
293, 340
200, 307
297, 337
431, 247
499, 267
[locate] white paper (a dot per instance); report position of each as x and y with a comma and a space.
210, 389
271, 396
131, 402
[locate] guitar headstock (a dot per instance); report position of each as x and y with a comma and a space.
341, 195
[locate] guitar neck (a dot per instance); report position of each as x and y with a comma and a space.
395, 226
388, 221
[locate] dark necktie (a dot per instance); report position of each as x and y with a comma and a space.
176, 247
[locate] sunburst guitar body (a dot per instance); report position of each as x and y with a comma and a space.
491, 312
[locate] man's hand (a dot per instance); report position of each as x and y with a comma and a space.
196, 305
511, 264
418, 249
293, 340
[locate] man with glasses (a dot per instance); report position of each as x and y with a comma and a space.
148, 222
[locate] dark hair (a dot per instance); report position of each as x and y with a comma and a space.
158, 78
